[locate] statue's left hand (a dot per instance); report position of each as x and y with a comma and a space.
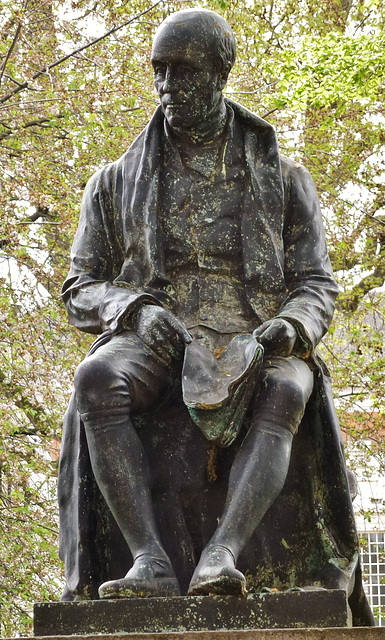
277, 336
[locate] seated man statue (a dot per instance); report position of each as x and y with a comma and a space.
199, 233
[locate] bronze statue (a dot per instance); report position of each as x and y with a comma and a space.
200, 233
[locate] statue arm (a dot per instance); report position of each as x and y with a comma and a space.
309, 279
94, 301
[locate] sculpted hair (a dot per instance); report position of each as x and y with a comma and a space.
210, 27
226, 44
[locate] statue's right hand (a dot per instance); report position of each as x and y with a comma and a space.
162, 332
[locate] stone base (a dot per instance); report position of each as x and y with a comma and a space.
358, 633
202, 613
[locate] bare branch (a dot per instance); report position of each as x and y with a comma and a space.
268, 113
40, 222
12, 79
17, 104
36, 525
36, 9
9, 52
34, 412
81, 55
41, 212
351, 300
40, 122
47, 68
351, 204
85, 14
130, 110
335, 195
257, 90
345, 262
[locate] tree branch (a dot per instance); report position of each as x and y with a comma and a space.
36, 525
346, 6
344, 263
9, 52
33, 123
45, 69
268, 113
351, 300
35, 413
41, 212
36, 9
12, 79
338, 197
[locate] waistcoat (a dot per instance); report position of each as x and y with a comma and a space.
200, 210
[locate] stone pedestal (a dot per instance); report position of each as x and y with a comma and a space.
186, 614
338, 633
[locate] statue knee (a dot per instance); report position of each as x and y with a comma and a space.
294, 394
284, 392
99, 387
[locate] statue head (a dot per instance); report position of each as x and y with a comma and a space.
192, 55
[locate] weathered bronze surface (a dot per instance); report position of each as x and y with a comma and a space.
199, 234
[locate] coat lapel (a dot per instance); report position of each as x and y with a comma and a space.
144, 256
262, 219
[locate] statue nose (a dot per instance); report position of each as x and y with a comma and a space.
169, 83
167, 86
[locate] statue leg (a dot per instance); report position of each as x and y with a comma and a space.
258, 473
121, 377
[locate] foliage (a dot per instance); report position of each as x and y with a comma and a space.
316, 72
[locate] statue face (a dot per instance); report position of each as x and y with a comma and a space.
186, 77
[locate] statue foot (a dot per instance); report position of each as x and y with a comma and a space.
216, 574
69, 596
148, 578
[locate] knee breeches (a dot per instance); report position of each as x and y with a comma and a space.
122, 376
283, 390
125, 376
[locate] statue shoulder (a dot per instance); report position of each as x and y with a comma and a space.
300, 194
110, 176
292, 169
250, 120
295, 176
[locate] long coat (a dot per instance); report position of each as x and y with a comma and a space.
117, 263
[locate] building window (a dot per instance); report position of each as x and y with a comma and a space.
373, 570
